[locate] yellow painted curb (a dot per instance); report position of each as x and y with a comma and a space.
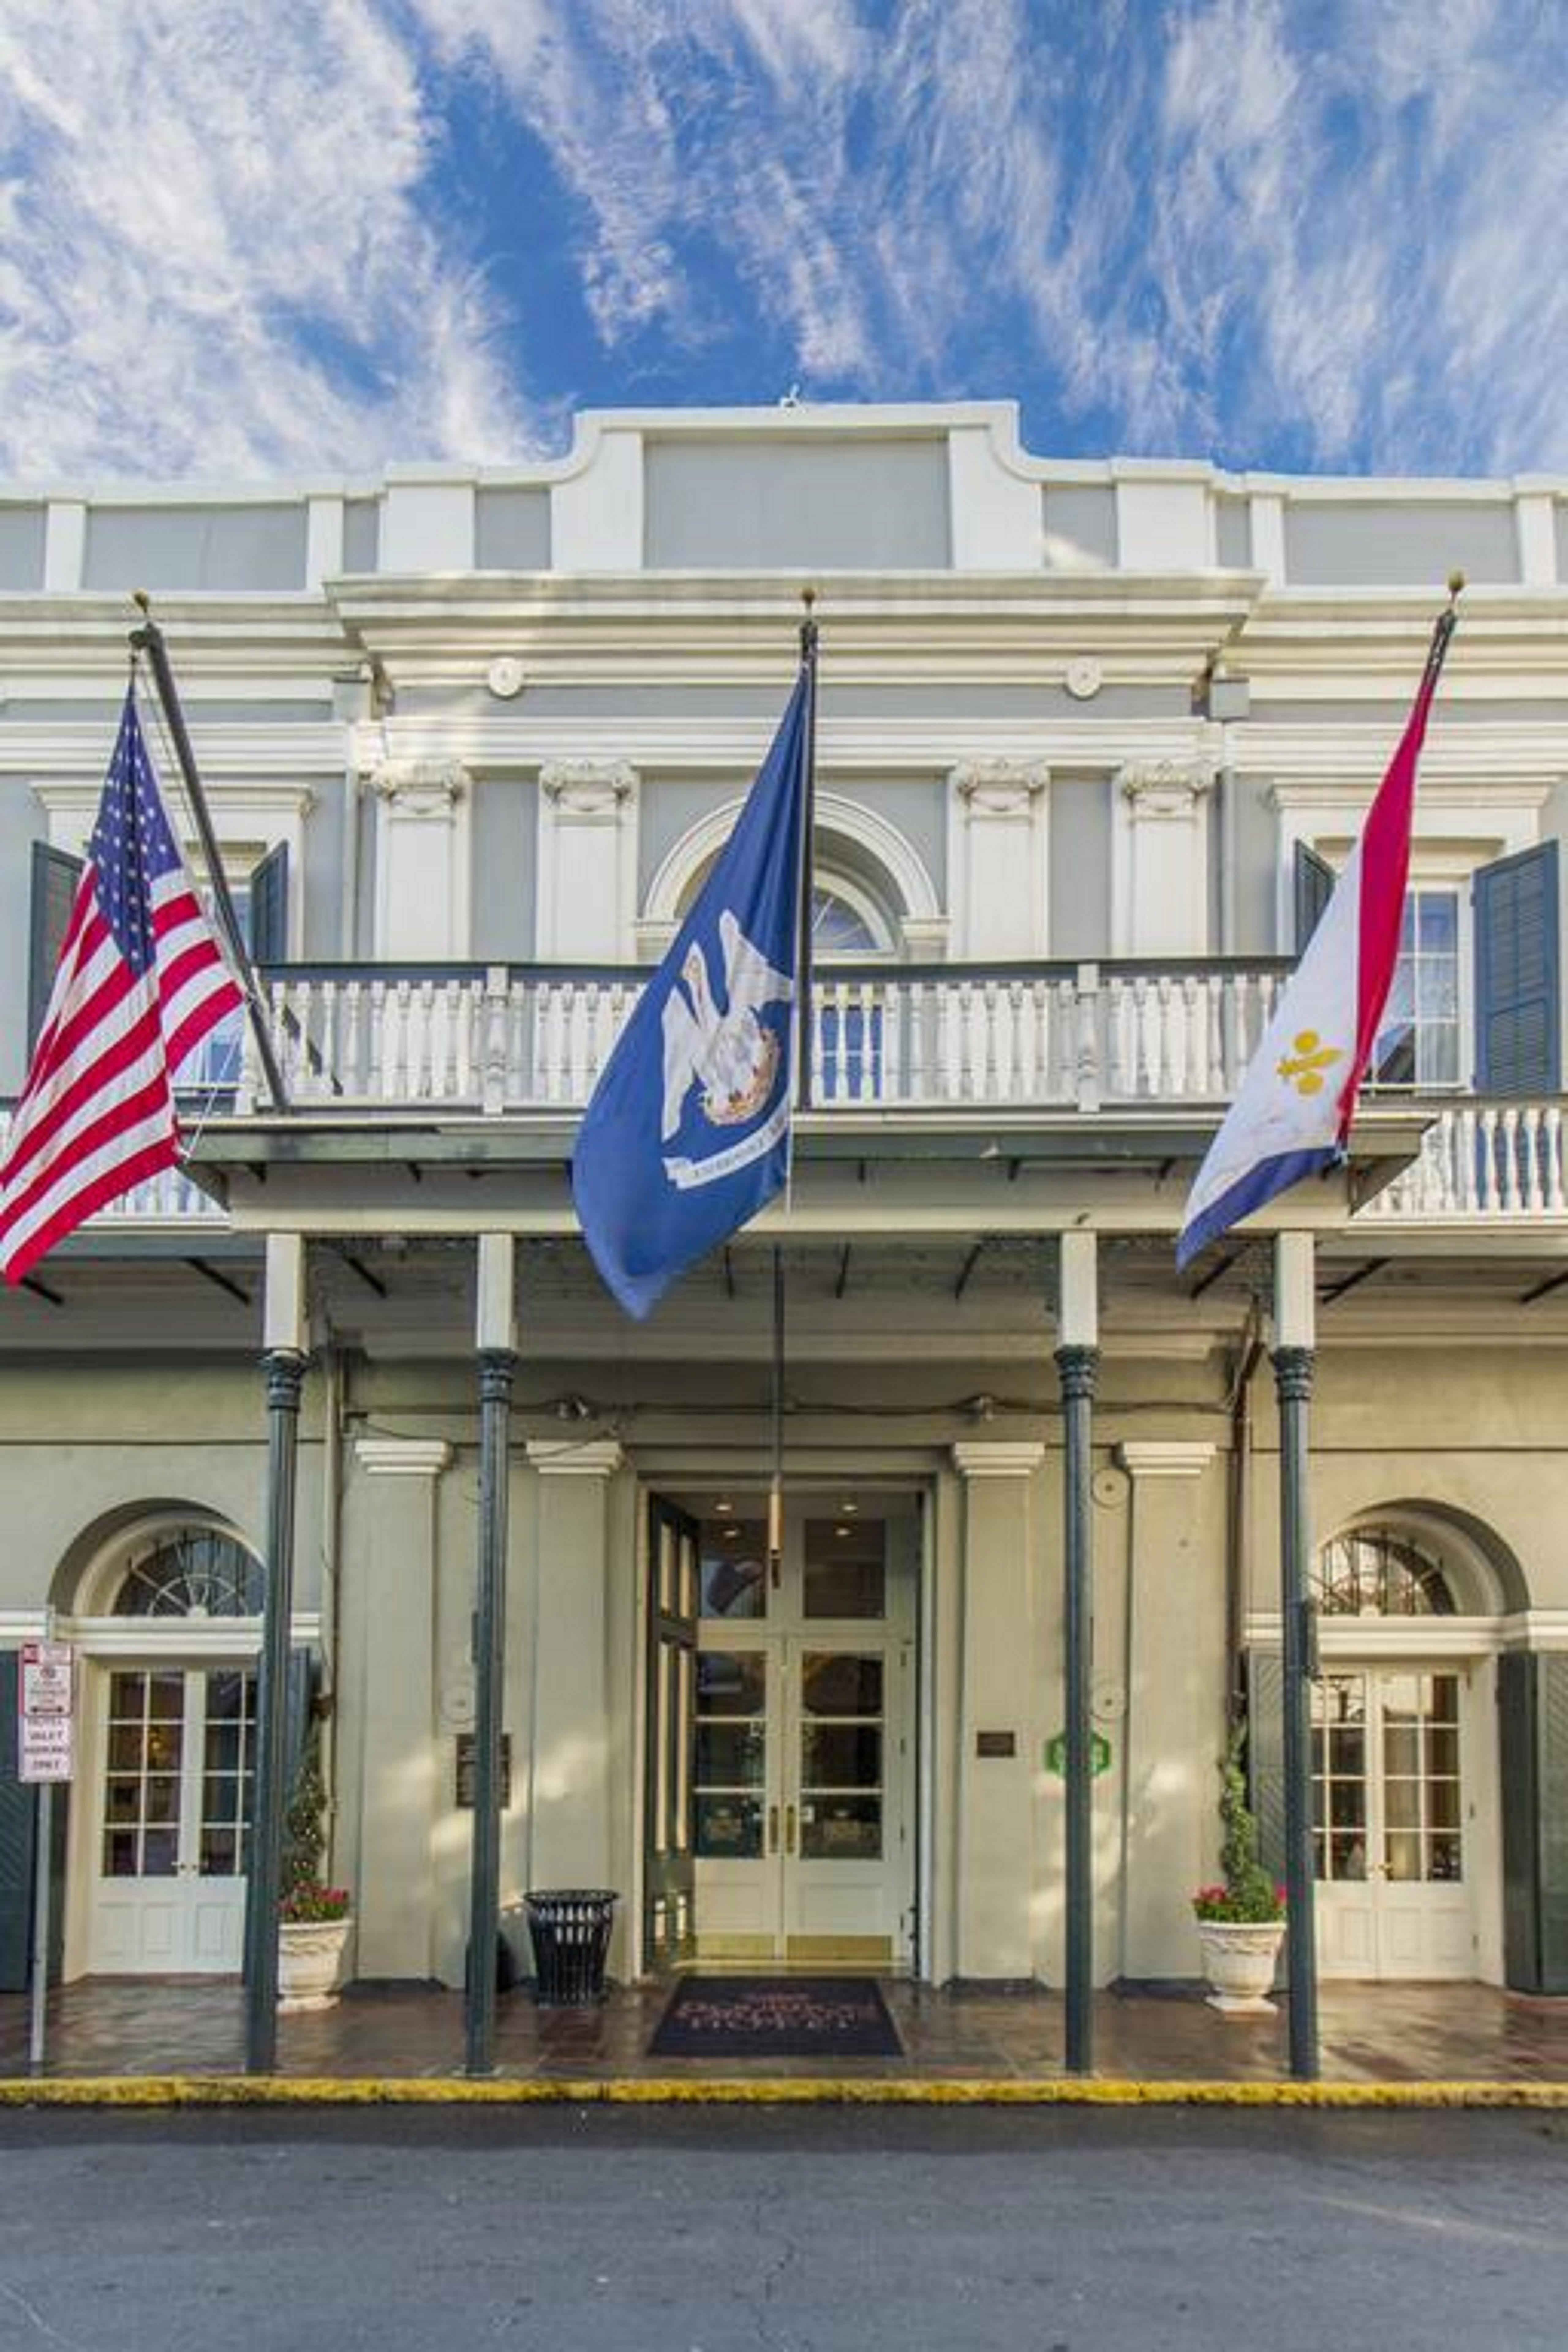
763, 2091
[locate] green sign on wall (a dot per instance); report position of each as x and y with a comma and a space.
1098, 1754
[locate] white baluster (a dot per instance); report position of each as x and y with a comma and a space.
1551, 1134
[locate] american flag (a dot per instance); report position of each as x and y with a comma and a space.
140, 982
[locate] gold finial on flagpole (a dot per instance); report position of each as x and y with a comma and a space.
1455, 586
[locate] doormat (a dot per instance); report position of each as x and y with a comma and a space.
776, 2017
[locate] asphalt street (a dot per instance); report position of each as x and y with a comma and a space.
707, 2231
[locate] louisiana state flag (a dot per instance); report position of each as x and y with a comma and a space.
687, 1134
1293, 1110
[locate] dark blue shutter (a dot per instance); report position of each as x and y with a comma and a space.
56, 875
1314, 881
1266, 1754
1517, 1003
269, 906
18, 1818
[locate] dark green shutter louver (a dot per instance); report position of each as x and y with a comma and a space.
19, 1816
1518, 1001
269, 906
56, 875
1532, 1723
1314, 881
1266, 1754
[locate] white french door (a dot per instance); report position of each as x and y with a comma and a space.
167, 1890
1392, 1816
803, 1826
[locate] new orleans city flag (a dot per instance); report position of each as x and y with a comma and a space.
1293, 1112
687, 1134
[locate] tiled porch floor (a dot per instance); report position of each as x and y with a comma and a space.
1368, 2032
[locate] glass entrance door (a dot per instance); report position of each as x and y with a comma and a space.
168, 1892
1394, 1894
803, 1774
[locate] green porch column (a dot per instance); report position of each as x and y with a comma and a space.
497, 1335
1294, 1360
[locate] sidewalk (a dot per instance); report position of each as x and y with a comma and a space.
113, 2030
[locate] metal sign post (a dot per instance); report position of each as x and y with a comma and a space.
46, 1726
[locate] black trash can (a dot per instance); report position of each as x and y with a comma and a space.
571, 1930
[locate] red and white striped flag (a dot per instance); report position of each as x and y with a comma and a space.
140, 982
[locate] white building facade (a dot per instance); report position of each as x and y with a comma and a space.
1091, 738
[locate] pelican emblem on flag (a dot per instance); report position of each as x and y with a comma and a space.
734, 1056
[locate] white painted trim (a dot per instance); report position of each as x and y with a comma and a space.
883, 841
199, 1639
998, 1457
1166, 1457
402, 1457
586, 880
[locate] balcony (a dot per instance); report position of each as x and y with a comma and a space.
913, 1041
508, 1038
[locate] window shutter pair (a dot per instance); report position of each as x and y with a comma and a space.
1518, 986
56, 875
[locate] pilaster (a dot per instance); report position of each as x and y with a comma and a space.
422, 859
570, 1734
1159, 858
1002, 1694
1174, 1673
999, 857
585, 905
391, 1603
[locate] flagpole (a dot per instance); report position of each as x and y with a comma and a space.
803, 1021
149, 639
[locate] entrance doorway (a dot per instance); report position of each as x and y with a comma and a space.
801, 1815
1394, 1896
167, 1885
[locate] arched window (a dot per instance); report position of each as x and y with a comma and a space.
1381, 1572
191, 1571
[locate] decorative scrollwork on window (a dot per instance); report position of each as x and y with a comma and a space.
191, 1571
1380, 1572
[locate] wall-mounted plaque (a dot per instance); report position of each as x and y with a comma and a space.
465, 1791
996, 1743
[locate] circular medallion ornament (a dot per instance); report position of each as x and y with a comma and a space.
504, 678
1084, 678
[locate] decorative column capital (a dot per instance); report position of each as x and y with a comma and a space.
1165, 1457
1293, 1370
1078, 1369
402, 1457
566, 1457
1169, 789
421, 788
285, 1368
588, 789
998, 1457
999, 788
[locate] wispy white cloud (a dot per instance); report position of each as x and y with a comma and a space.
216, 260
1316, 232
1324, 225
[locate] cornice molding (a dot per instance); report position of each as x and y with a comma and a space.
402, 1457
1166, 1457
998, 1457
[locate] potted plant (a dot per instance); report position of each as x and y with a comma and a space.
312, 1917
1242, 1920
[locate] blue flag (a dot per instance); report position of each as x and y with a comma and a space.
687, 1131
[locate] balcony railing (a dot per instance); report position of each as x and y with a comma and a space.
1029, 1036
484, 1041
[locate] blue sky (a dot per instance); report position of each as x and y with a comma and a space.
257, 236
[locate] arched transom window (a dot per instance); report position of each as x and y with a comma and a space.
190, 1572
1381, 1572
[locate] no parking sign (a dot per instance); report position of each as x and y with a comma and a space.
45, 1711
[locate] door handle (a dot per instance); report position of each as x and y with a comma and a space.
789, 1829
772, 1829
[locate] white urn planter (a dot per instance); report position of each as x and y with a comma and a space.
310, 1961
1239, 1957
